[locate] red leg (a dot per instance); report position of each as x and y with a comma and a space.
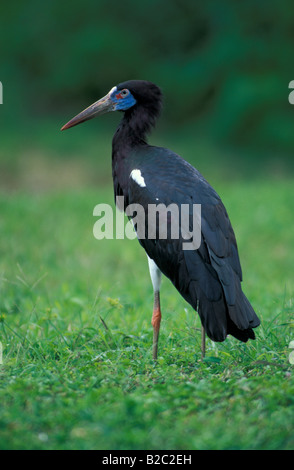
156, 319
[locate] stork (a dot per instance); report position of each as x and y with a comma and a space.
209, 276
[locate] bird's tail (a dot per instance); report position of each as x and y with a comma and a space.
237, 321
220, 319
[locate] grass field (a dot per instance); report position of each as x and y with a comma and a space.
77, 369
75, 328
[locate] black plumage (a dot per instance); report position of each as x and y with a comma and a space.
208, 278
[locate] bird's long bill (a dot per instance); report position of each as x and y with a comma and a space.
104, 105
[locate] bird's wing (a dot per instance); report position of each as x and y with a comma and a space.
208, 277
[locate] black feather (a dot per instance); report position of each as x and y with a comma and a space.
209, 278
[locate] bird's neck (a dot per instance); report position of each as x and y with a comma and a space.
130, 134
133, 128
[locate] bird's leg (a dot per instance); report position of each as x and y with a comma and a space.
155, 274
156, 319
202, 343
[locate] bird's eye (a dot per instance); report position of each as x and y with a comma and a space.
122, 94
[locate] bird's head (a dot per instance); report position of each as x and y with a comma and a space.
126, 97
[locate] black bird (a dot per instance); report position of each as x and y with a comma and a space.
208, 276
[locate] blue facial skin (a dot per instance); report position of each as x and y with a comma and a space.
126, 102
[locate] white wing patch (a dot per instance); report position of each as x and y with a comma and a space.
138, 178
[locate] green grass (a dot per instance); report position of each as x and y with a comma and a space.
75, 329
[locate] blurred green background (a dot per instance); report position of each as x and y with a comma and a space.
75, 312
224, 67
